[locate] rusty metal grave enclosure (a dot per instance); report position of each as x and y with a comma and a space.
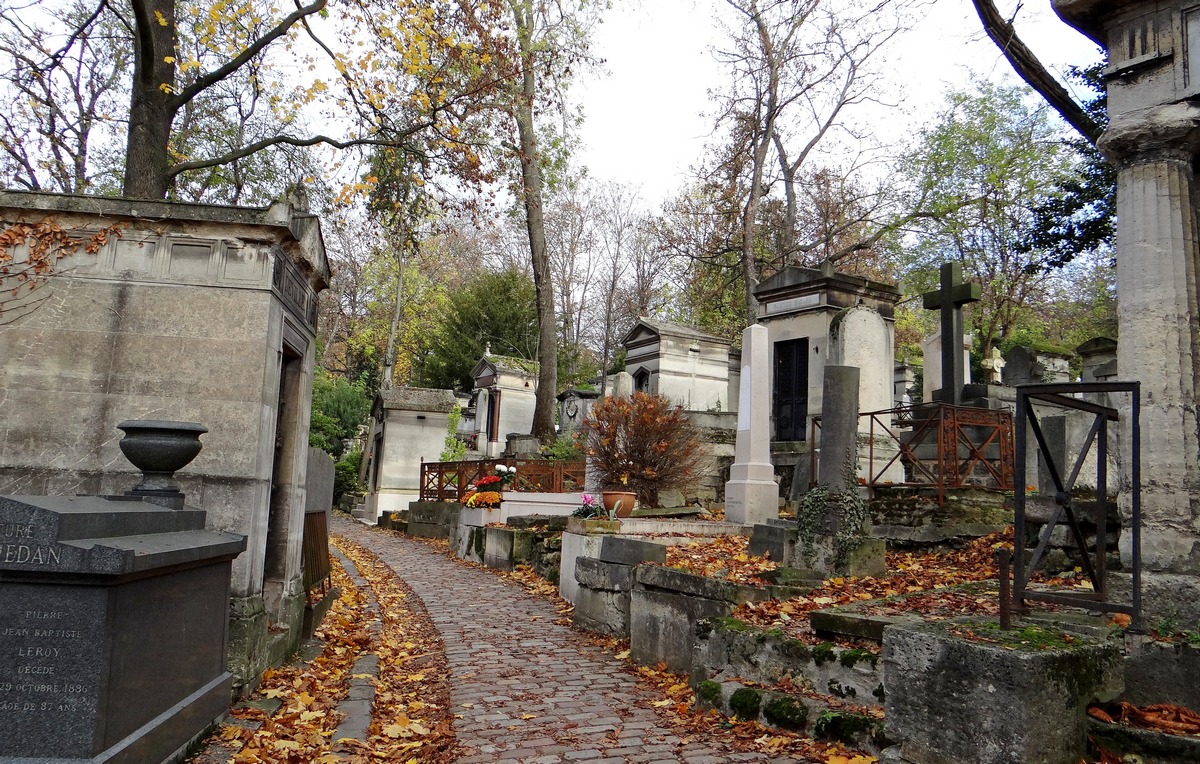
1064, 510
941, 446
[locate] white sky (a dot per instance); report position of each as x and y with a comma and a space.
644, 123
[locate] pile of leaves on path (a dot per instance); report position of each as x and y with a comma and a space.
301, 730
726, 557
411, 720
909, 573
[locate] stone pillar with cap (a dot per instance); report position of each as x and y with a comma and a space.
752, 495
1153, 139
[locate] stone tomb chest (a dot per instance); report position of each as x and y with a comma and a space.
113, 628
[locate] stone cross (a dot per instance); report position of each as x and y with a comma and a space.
950, 298
994, 364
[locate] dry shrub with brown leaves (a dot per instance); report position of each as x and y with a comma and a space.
643, 444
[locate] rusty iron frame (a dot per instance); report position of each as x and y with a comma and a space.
314, 545
447, 481
949, 424
1060, 395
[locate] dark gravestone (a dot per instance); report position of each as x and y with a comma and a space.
113, 627
949, 299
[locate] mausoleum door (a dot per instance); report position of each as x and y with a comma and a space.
790, 405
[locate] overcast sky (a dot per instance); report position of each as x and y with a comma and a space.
644, 123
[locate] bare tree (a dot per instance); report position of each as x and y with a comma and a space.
796, 67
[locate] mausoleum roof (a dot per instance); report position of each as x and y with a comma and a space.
508, 363
668, 329
418, 399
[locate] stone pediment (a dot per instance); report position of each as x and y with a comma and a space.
648, 330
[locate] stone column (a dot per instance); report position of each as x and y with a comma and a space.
1157, 250
752, 495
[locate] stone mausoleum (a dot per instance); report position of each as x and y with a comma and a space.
191, 313
409, 426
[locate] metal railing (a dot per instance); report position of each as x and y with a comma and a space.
939, 446
447, 481
1064, 510
315, 552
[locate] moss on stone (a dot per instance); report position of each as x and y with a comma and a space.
745, 703
709, 691
786, 713
823, 653
843, 725
1029, 637
849, 658
732, 624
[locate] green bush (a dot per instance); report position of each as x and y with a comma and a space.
345, 475
565, 448
453, 449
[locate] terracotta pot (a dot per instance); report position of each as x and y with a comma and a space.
619, 503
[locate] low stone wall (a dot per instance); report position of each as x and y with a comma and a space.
912, 515
433, 519
666, 604
726, 648
793, 712
605, 583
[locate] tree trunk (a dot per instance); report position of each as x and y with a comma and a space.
152, 102
531, 178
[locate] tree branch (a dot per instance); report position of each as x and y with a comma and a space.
287, 140
1034, 72
206, 81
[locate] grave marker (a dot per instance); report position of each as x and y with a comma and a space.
949, 299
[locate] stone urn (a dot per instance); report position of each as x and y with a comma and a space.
618, 503
159, 448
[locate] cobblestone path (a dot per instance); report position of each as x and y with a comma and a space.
509, 660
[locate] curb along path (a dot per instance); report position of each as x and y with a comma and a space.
528, 689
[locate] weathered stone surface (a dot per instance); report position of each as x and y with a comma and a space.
670, 579
1147, 745
432, 519
954, 700
506, 548
605, 576
575, 546
538, 521
628, 551
774, 541
1162, 673
838, 622
662, 626
726, 648
604, 611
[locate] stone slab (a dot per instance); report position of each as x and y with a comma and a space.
672, 580
606, 612
604, 576
950, 699
1162, 673
575, 546
627, 551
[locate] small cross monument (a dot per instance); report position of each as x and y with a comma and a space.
950, 298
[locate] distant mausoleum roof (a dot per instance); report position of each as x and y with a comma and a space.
668, 329
418, 399
508, 363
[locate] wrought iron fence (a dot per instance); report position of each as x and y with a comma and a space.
1065, 503
447, 481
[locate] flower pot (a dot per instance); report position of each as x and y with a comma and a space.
619, 503
158, 448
